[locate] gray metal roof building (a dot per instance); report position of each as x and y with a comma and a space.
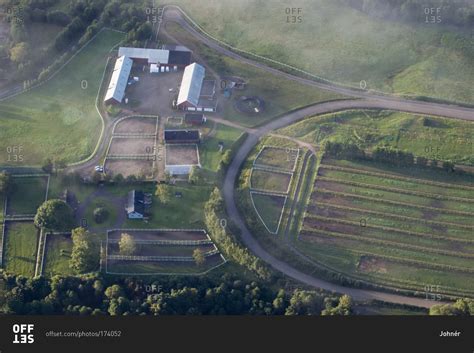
191, 85
153, 56
119, 80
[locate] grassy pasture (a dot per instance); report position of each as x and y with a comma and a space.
20, 247
27, 195
274, 157
57, 255
270, 181
438, 138
59, 118
269, 207
342, 44
280, 95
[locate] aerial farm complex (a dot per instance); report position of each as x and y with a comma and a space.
288, 168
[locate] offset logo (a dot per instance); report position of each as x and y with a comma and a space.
23, 333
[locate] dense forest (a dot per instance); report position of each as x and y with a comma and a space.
227, 295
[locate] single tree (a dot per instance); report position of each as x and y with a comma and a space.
163, 193
85, 252
199, 257
5, 183
127, 244
100, 214
55, 215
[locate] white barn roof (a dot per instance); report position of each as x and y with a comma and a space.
154, 56
191, 84
119, 79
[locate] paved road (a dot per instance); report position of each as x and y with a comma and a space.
365, 100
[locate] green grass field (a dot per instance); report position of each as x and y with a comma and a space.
58, 253
274, 157
344, 45
59, 119
27, 195
20, 248
270, 181
104, 203
438, 138
269, 208
184, 212
209, 148
370, 237
280, 95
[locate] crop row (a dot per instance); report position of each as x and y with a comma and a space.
396, 190
388, 229
404, 261
392, 215
391, 202
397, 177
389, 243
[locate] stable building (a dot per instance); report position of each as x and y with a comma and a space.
118, 81
137, 201
192, 96
182, 136
160, 60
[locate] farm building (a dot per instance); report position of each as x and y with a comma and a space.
194, 118
119, 80
193, 89
165, 59
182, 136
136, 202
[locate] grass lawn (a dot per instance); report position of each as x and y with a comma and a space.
280, 95
57, 256
438, 138
281, 158
184, 212
209, 148
20, 248
270, 181
27, 195
150, 268
111, 209
269, 208
59, 119
346, 45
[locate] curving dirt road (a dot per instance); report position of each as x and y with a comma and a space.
365, 99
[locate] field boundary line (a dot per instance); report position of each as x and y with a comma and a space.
271, 171
287, 150
258, 213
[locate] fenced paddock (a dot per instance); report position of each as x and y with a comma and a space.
185, 154
278, 158
132, 148
57, 249
270, 181
161, 252
269, 209
29, 192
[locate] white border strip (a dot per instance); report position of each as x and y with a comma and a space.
260, 217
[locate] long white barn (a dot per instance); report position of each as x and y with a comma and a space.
191, 85
118, 82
